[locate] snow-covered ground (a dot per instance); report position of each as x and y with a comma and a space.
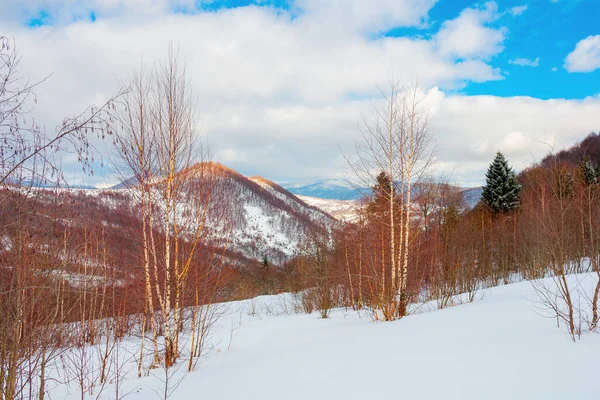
342, 210
498, 347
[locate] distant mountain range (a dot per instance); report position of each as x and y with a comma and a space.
339, 189
472, 195
329, 189
43, 184
128, 183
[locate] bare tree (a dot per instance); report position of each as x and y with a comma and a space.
416, 150
396, 141
156, 142
590, 222
555, 198
26, 150
32, 299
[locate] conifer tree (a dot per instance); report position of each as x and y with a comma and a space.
382, 189
501, 192
590, 174
381, 195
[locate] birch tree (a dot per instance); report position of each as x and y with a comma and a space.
377, 157
416, 152
397, 141
157, 143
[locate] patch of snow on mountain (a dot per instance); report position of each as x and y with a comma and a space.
342, 210
266, 227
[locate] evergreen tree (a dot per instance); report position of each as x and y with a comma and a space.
589, 173
501, 192
383, 187
381, 195
563, 184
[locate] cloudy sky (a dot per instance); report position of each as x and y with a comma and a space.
281, 84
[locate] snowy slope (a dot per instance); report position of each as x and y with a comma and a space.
264, 219
342, 210
498, 347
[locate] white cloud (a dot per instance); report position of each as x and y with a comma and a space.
471, 129
585, 57
366, 15
280, 92
554, 69
468, 35
525, 62
518, 10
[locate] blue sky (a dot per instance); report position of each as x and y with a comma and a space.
281, 84
549, 31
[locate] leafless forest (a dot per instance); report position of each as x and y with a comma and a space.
154, 259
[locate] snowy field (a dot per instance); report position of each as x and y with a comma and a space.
499, 347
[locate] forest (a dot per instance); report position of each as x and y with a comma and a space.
150, 264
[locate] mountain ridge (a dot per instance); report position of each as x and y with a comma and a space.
262, 219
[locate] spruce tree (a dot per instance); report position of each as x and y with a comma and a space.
383, 188
501, 192
381, 195
589, 173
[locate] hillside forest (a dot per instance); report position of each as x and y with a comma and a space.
150, 261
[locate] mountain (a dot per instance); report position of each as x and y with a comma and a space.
348, 194
264, 219
331, 189
252, 217
472, 196
342, 210
127, 183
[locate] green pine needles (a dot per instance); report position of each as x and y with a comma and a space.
590, 174
502, 192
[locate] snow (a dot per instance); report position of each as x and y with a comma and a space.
342, 210
255, 226
80, 280
315, 213
499, 347
263, 226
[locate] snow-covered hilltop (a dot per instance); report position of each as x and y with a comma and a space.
264, 219
252, 217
